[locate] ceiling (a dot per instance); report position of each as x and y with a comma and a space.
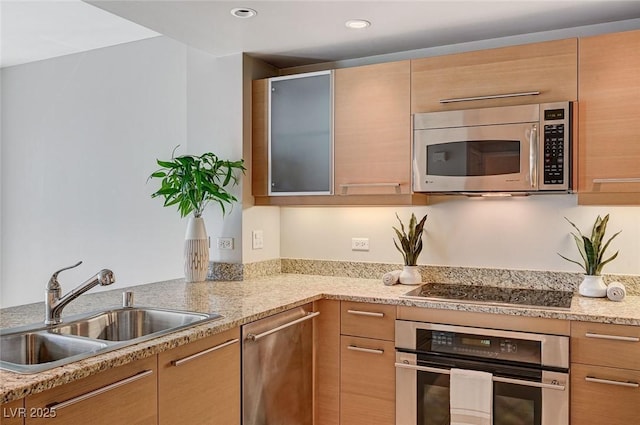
299, 32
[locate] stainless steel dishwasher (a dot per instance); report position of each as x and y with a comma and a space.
277, 369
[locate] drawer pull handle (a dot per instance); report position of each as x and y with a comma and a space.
613, 337
203, 352
491, 96
365, 313
102, 390
365, 350
610, 382
618, 180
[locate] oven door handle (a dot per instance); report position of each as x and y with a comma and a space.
495, 378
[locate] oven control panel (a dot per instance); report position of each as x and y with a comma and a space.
485, 346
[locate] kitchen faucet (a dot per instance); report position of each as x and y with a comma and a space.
54, 304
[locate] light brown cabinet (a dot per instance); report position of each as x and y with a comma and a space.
372, 129
200, 382
372, 139
609, 122
367, 364
13, 413
605, 374
549, 68
123, 395
326, 335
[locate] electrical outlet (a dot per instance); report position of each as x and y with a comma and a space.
225, 243
359, 244
257, 239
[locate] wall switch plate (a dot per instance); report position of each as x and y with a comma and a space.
359, 244
225, 243
257, 239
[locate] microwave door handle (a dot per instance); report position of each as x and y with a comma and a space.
533, 156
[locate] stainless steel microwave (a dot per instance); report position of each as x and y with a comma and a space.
513, 149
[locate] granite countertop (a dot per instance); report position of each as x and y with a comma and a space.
241, 302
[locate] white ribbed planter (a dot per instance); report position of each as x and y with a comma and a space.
196, 251
410, 275
593, 286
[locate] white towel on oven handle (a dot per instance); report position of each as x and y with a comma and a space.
471, 397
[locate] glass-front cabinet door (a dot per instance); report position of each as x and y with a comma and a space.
300, 134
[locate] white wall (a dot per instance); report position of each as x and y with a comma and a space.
80, 135
519, 233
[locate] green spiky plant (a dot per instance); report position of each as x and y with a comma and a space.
592, 249
410, 243
191, 182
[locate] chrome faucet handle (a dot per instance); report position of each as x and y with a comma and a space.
127, 299
53, 281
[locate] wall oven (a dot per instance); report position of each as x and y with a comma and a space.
530, 373
518, 149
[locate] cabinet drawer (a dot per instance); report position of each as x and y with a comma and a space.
13, 413
602, 395
367, 381
368, 320
122, 395
605, 345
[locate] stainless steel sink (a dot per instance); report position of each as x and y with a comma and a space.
34, 348
125, 324
36, 351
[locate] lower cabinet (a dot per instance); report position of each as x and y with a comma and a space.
13, 413
122, 395
605, 374
199, 383
367, 381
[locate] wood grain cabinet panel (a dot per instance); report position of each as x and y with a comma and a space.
260, 138
603, 395
123, 395
609, 123
326, 334
372, 129
367, 381
199, 383
549, 68
13, 413
368, 320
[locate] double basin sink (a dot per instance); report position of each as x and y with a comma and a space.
36, 348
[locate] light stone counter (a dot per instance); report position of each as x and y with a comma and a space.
240, 302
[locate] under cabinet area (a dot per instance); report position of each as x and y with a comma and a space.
367, 364
515, 75
605, 374
200, 382
609, 128
122, 395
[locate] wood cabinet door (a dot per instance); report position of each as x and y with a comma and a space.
199, 383
326, 336
604, 395
609, 121
372, 129
260, 138
13, 413
123, 395
367, 381
549, 68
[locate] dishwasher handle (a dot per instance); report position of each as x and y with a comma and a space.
255, 337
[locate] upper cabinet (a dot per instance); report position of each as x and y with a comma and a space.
609, 119
371, 154
531, 73
373, 129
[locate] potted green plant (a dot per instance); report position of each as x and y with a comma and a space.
410, 246
190, 183
592, 250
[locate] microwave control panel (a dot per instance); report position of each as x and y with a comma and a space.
555, 146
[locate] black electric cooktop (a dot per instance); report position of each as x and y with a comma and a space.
493, 295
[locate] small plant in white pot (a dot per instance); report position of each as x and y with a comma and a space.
592, 251
410, 246
190, 183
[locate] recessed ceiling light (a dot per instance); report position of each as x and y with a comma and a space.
243, 12
357, 24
